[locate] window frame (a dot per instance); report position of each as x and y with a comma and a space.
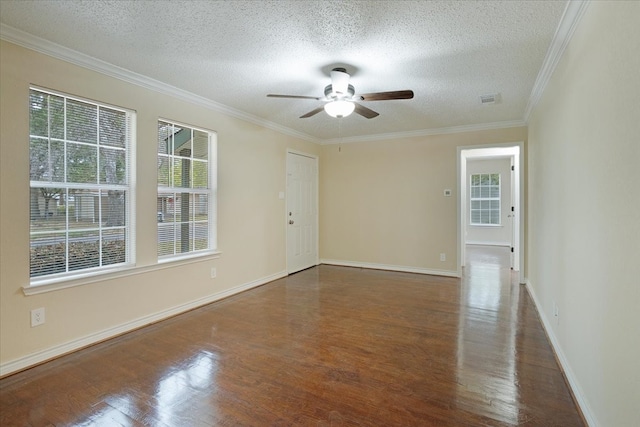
211, 191
128, 187
481, 199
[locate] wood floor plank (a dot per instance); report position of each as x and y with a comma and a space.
329, 346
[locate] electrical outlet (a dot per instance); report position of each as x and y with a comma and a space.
214, 273
37, 317
443, 257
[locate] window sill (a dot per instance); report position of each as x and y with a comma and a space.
172, 259
486, 225
42, 286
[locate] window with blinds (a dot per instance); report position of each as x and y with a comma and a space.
186, 203
80, 161
485, 199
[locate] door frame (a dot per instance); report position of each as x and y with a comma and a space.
515, 150
316, 159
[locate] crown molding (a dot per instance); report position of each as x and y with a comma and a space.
568, 23
426, 132
57, 51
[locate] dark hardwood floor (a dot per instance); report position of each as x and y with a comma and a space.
329, 346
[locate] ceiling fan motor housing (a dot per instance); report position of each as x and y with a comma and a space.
331, 95
339, 82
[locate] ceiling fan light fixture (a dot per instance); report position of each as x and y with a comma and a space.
340, 99
339, 108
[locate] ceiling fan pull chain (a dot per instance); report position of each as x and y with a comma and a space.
340, 134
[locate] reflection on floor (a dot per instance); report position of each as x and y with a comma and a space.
329, 346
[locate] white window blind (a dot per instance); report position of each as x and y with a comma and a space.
485, 199
186, 203
80, 157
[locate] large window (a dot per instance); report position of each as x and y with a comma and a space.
485, 199
80, 185
186, 190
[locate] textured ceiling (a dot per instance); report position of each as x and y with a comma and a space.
235, 52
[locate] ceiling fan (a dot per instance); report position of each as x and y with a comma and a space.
341, 100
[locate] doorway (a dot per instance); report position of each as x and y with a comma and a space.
512, 221
302, 211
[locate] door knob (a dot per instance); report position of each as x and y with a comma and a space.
290, 221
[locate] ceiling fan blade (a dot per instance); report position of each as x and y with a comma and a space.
365, 112
386, 96
272, 95
312, 112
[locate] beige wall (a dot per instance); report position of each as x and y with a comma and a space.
584, 211
493, 235
383, 204
251, 233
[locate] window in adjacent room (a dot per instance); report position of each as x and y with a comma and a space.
485, 199
186, 203
80, 171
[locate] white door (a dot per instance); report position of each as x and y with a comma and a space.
302, 212
512, 213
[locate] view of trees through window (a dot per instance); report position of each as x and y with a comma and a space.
184, 189
79, 184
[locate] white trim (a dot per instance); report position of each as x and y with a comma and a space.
389, 267
564, 363
302, 153
481, 243
133, 183
57, 51
573, 13
84, 279
509, 149
568, 23
426, 132
79, 343
186, 125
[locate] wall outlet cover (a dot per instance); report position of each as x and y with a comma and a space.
37, 317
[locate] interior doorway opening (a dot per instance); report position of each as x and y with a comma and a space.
510, 224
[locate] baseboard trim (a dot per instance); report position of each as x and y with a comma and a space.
576, 390
390, 267
42, 356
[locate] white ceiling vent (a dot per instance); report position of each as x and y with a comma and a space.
492, 98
